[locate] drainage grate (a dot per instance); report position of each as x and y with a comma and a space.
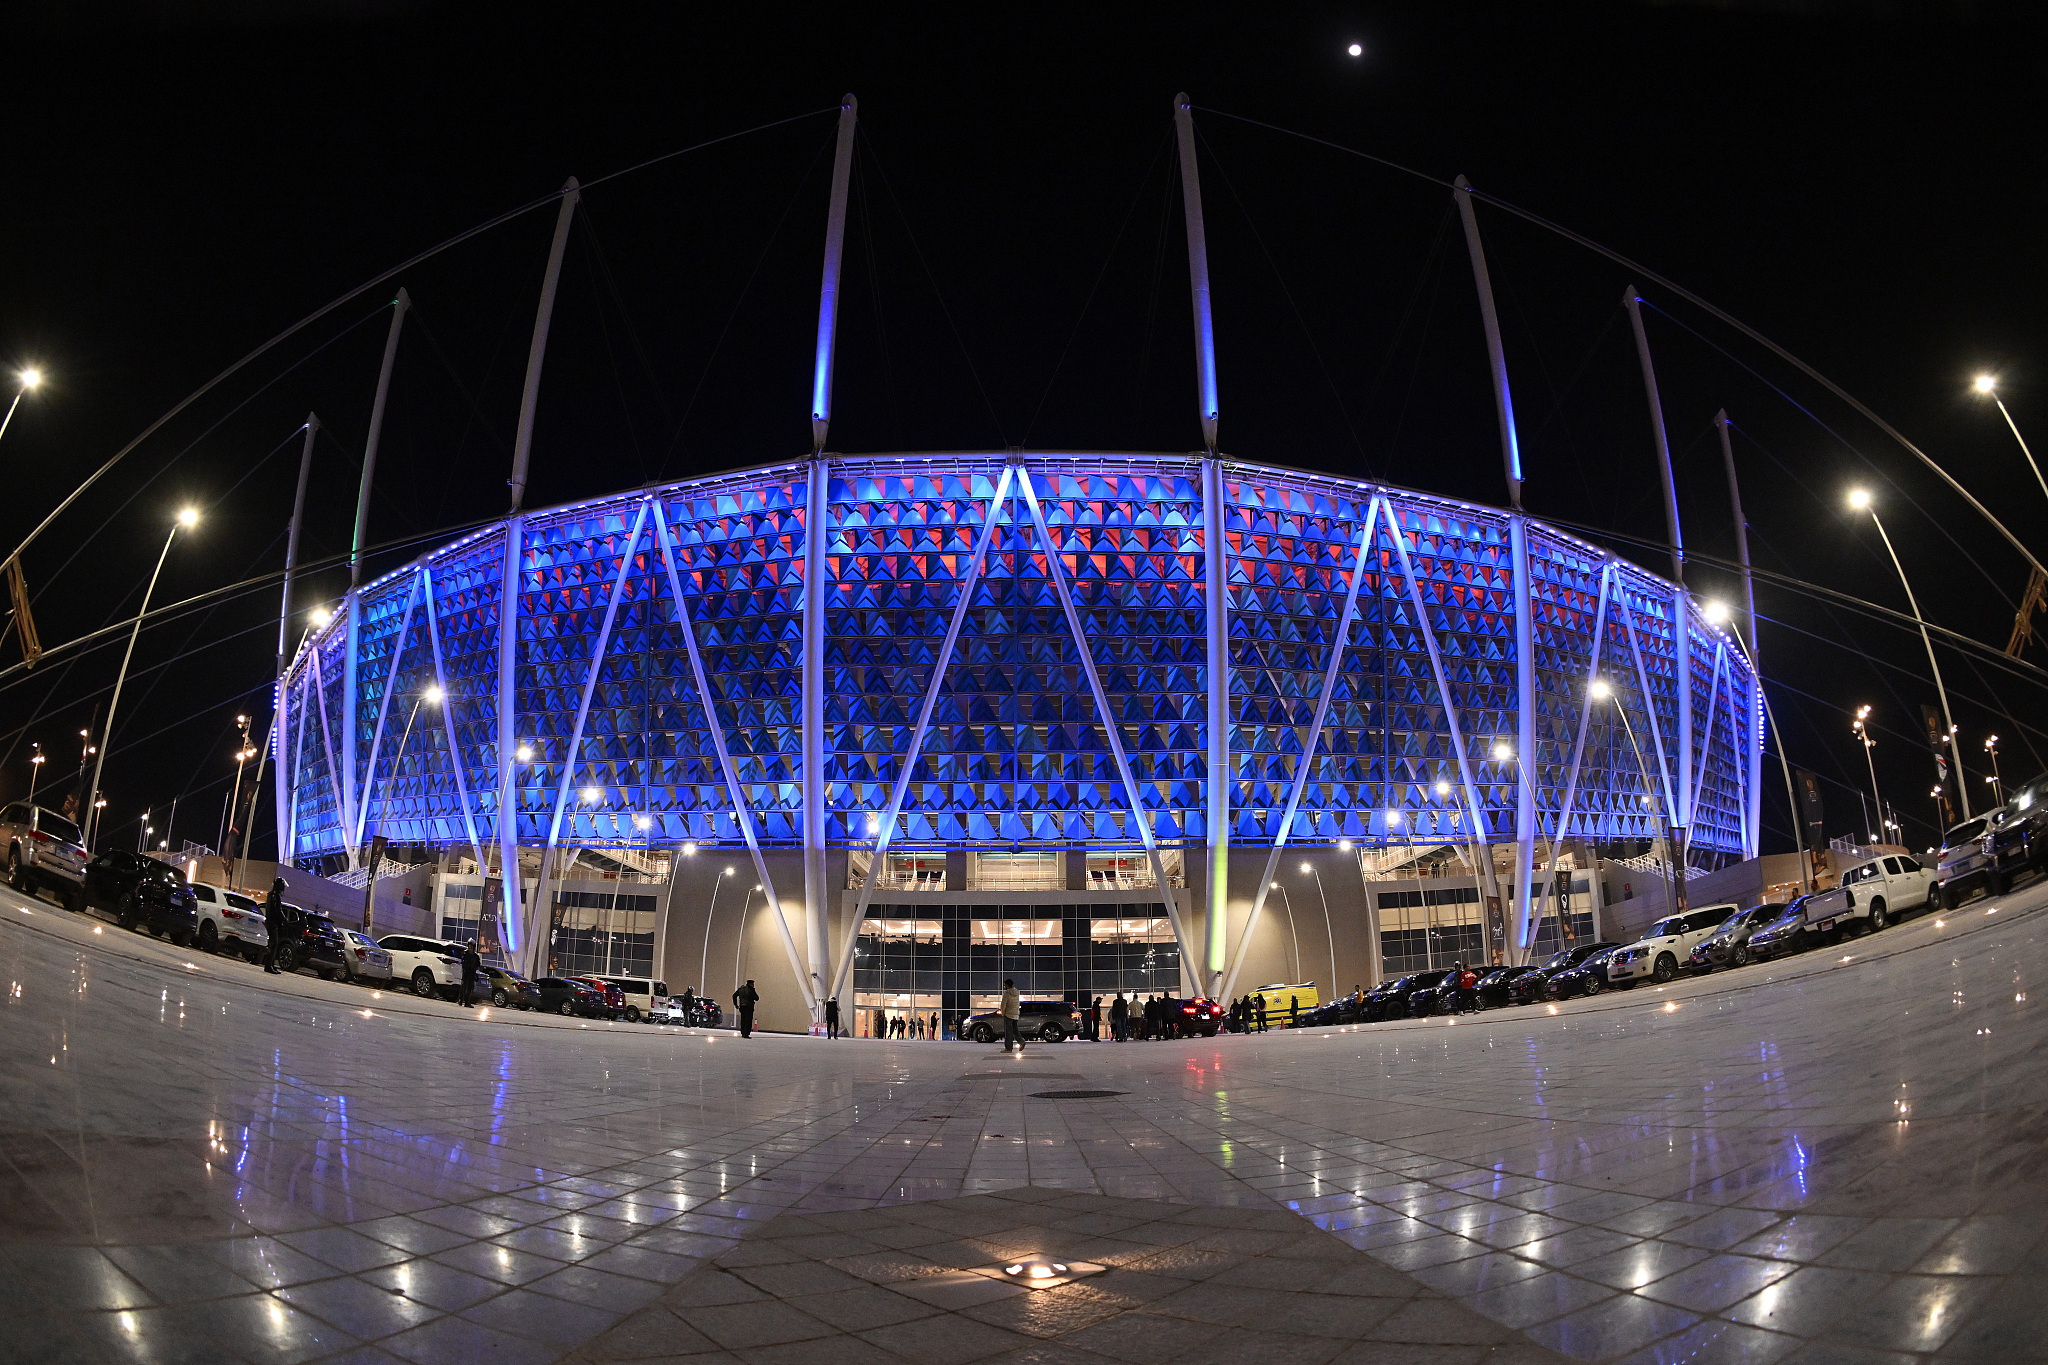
1076, 1094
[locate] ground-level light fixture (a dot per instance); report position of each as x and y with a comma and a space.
1042, 1272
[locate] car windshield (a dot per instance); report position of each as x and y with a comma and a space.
1667, 928
57, 827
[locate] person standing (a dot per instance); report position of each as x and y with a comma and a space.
1119, 1018
832, 1018
1012, 1008
274, 923
1293, 1011
744, 999
470, 963
1095, 1020
932, 1032
1262, 1011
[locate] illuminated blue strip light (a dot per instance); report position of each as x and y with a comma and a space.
1014, 756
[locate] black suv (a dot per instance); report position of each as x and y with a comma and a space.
2020, 843
309, 940
1051, 1021
143, 894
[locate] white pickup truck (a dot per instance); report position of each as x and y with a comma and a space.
1871, 895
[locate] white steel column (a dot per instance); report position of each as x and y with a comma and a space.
518, 947
1503, 401
1056, 571
828, 287
1198, 270
1307, 758
1599, 655
286, 824
1526, 905
351, 625
537, 349
334, 773
1754, 812
399, 306
886, 830
817, 894
742, 811
448, 719
1681, 611
1217, 600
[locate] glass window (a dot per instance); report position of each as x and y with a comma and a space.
15, 815
1667, 928
1132, 930
1015, 932
57, 827
1907, 864
1017, 871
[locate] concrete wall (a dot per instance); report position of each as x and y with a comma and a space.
342, 904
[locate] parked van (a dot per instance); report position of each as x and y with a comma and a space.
1278, 998
643, 996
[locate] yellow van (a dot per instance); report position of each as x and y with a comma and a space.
1278, 999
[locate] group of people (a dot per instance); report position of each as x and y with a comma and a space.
918, 1027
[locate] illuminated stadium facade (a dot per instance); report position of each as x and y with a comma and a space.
1047, 715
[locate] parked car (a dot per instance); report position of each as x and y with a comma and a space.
1527, 990
614, 998
2019, 844
1964, 864
1389, 1000
1196, 1017
508, 988
431, 966
1658, 953
1343, 1011
364, 960
1728, 946
230, 922
1890, 887
1787, 933
142, 893
310, 940
1588, 978
690, 1011
1281, 998
44, 849
1499, 986
1048, 1021
641, 994
566, 995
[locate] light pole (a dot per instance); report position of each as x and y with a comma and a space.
35, 770
741, 946
1936, 794
1990, 747
185, 521
1503, 753
1292, 937
1860, 500
1328, 927
704, 958
1987, 385
242, 755
1600, 690
142, 839
31, 377
1862, 732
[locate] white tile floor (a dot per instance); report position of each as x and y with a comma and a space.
1822, 1161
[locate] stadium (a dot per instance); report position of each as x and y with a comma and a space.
1090, 720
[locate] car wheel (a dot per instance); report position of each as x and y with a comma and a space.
1740, 956
1594, 985
209, 938
498, 998
565, 1008
17, 875
423, 983
1666, 968
984, 1034
632, 1014
124, 915
1051, 1033
1878, 919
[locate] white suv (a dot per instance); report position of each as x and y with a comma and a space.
1658, 954
44, 849
229, 922
430, 966
1875, 892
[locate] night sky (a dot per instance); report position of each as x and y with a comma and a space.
1861, 182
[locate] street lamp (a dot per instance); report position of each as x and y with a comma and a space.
185, 521
1600, 690
704, 958
430, 695
1717, 613
741, 946
1328, 927
1503, 753
1860, 500
1997, 782
27, 380
35, 769
1292, 937
1987, 386
1862, 732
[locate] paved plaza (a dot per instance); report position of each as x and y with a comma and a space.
1839, 1159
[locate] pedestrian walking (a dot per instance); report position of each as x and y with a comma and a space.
274, 915
744, 999
1012, 1008
832, 1018
470, 963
